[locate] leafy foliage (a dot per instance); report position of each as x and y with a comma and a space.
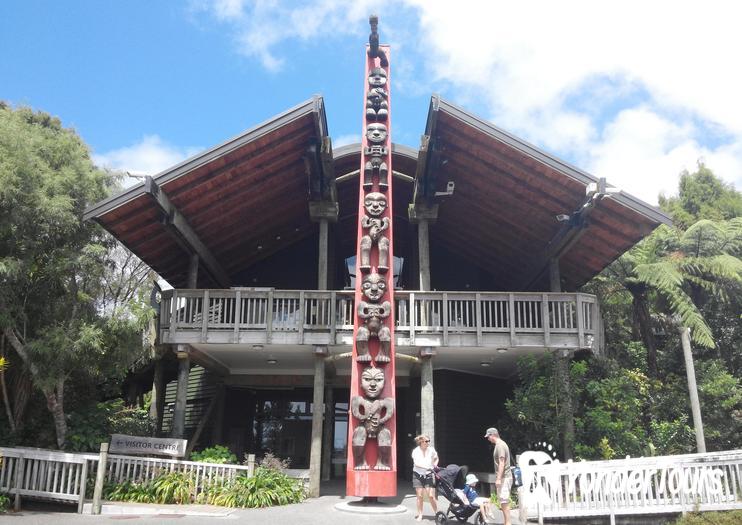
215, 454
4, 502
268, 487
53, 265
732, 517
93, 424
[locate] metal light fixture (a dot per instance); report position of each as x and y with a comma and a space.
502, 350
484, 364
271, 361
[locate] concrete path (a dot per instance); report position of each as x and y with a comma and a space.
318, 511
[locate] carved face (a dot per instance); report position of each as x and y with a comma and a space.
377, 77
372, 382
373, 287
375, 203
376, 133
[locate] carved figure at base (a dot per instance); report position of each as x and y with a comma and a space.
372, 314
375, 204
372, 413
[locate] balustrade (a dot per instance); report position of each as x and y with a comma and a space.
429, 318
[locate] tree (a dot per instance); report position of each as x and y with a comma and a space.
702, 195
52, 264
679, 271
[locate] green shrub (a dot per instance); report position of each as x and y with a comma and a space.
268, 487
128, 491
215, 454
173, 487
4, 502
93, 424
733, 517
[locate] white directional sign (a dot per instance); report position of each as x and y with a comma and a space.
123, 444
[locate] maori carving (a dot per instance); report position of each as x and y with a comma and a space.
376, 152
372, 412
377, 107
375, 204
372, 314
373, 42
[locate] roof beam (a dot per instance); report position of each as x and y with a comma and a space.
185, 236
320, 168
573, 228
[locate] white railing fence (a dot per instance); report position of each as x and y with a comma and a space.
43, 474
61, 476
638, 486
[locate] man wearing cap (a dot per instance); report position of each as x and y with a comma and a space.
503, 477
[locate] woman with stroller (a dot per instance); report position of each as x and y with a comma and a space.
424, 459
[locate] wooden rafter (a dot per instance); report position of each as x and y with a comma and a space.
184, 235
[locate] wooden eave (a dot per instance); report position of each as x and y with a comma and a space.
241, 198
502, 214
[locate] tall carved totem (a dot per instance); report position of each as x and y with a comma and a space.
372, 457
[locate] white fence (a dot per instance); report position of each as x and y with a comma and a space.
43, 474
632, 486
60, 476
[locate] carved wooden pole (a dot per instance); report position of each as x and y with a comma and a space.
372, 458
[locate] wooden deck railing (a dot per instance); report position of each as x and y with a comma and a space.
558, 320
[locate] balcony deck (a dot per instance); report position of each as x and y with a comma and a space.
422, 319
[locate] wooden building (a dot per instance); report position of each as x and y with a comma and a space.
493, 238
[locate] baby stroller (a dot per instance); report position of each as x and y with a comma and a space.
447, 481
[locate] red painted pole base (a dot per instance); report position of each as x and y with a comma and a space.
365, 483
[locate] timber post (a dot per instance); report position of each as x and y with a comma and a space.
427, 411
100, 478
181, 394
318, 403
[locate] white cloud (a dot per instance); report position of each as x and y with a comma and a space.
261, 25
626, 89
648, 79
149, 156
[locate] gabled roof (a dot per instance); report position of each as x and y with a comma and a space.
236, 197
248, 198
506, 199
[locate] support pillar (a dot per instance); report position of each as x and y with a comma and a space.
158, 397
315, 453
423, 250
193, 272
328, 431
323, 212
322, 258
181, 394
427, 412
423, 214
695, 405
555, 278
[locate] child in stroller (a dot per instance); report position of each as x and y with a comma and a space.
450, 482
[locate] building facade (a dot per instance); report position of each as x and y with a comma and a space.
258, 235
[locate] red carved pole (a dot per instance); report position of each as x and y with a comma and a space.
372, 437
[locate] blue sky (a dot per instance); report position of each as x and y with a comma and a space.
632, 91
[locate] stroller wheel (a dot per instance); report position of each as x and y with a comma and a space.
479, 520
440, 518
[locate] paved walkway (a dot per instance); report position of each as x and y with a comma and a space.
317, 511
